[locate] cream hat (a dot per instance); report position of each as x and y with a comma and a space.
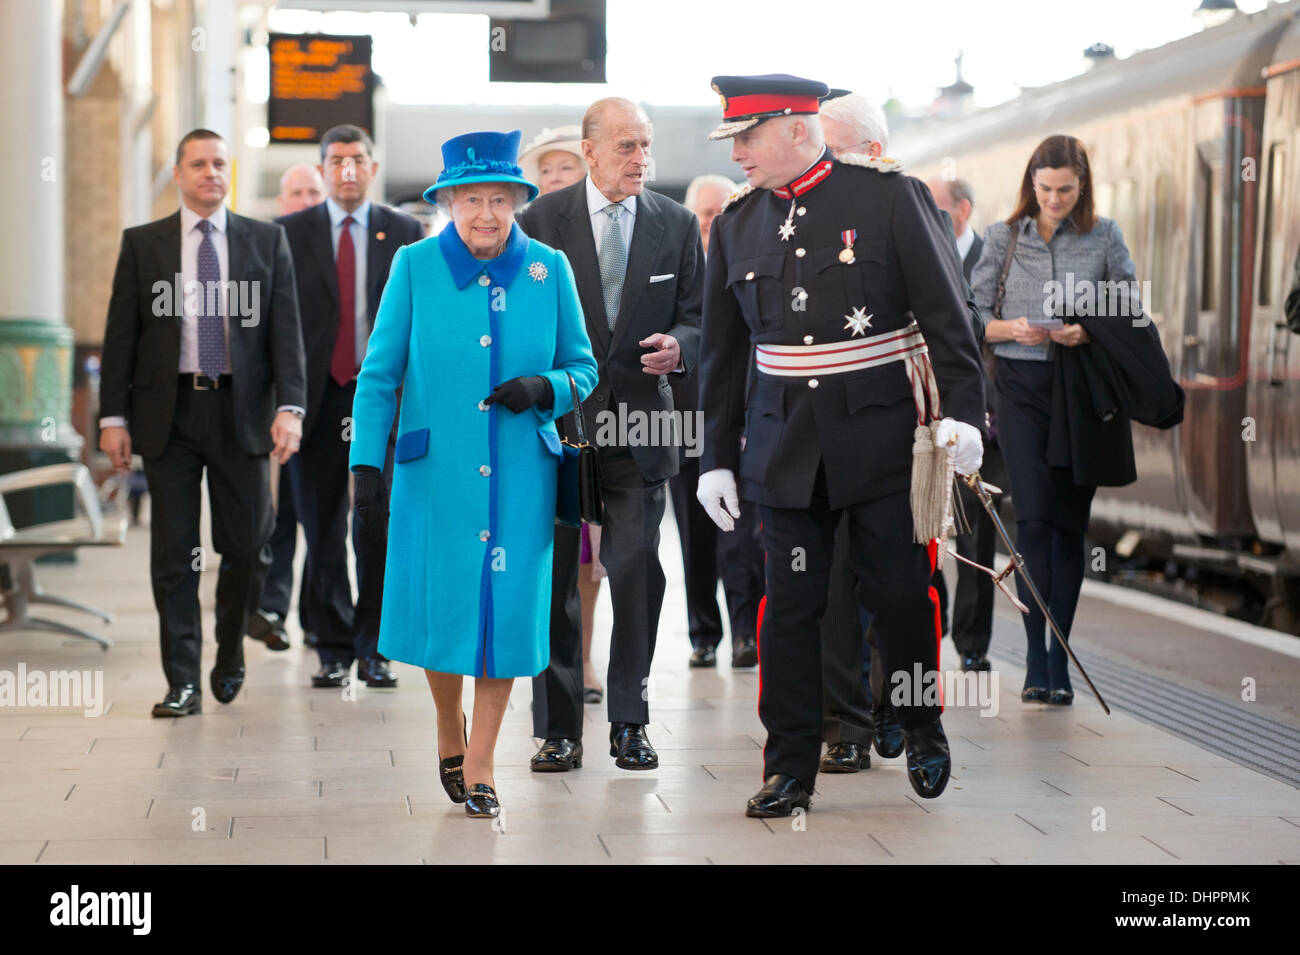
566, 139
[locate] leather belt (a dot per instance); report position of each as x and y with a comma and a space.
203, 383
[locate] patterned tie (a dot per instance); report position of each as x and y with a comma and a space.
212, 329
343, 366
613, 262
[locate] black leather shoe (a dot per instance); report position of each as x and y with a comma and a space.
557, 756
225, 682
704, 657
375, 672
481, 802
1060, 697
330, 674
975, 661
780, 796
846, 758
889, 732
451, 770
630, 747
268, 626
1033, 694
744, 655
180, 701
592, 694
928, 760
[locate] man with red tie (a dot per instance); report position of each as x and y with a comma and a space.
342, 250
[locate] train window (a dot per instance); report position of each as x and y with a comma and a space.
1272, 206
1210, 196
1162, 224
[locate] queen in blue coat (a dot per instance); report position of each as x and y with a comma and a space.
481, 329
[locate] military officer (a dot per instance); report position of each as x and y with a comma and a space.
821, 265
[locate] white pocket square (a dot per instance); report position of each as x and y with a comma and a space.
662, 278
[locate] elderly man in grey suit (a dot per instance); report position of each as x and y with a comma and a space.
638, 262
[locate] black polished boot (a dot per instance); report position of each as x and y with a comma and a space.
928, 760
780, 796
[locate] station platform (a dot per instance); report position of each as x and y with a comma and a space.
289, 774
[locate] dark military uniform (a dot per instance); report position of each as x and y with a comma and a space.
831, 441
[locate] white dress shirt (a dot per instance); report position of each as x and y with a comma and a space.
360, 232
964, 242
596, 203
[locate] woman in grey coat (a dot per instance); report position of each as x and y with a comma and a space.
1062, 254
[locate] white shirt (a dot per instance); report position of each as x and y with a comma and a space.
360, 232
964, 242
596, 203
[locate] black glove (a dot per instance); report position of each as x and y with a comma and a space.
371, 497
520, 394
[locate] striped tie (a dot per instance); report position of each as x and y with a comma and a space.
212, 329
613, 263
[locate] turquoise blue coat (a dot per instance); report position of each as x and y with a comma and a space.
467, 586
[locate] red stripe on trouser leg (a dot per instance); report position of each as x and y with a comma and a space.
932, 549
758, 641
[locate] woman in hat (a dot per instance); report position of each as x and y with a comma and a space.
482, 329
554, 160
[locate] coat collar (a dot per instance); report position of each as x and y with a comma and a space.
464, 266
810, 177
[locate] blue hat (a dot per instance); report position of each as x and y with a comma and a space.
480, 157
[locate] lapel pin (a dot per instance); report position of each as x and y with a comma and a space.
538, 271
379, 237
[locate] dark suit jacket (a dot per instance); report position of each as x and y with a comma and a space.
318, 283
141, 359
972, 256
665, 241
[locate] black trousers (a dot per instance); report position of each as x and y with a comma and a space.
629, 549
319, 475
707, 554
846, 700
972, 610
894, 576
278, 591
203, 439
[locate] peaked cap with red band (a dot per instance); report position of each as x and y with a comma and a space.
748, 100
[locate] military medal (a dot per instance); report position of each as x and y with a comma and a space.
787, 227
846, 253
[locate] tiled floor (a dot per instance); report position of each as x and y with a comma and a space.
291, 774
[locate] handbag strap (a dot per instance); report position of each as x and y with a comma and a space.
577, 413
1006, 270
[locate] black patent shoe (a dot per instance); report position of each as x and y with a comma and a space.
268, 626
330, 674
928, 761
376, 673
182, 700
225, 682
481, 802
889, 732
1033, 694
557, 756
703, 657
451, 770
630, 747
846, 758
975, 661
1060, 697
780, 796
744, 655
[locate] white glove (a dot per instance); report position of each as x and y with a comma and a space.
717, 493
964, 442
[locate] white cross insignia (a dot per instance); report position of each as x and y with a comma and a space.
859, 322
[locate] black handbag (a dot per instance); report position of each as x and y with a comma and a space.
577, 486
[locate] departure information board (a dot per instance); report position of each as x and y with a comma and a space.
318, 81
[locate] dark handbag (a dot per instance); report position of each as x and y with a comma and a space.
577, 486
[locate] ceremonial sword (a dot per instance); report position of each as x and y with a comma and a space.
981, 491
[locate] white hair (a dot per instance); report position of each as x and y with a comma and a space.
721, 183
860, 114
447, 195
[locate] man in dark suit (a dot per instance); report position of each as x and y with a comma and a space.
637, 260
203, 370
342, 250
972, 613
